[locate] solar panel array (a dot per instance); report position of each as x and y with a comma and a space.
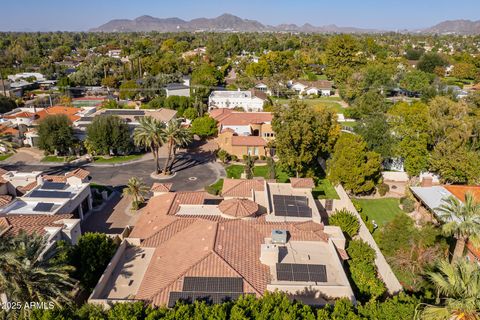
50, 194
213, 284
43, 207
125, 112
209, 289
301, 272
47, 185
291, 206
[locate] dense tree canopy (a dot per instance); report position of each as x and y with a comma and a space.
108, 135
303, 134
55, 134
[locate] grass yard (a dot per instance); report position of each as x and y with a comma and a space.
117, 159
5, 156
57, 159
215, 188
329, 102
325, 190
235, 171
380, 210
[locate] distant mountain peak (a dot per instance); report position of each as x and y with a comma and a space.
228, 22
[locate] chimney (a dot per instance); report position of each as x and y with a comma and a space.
269, 254
427, 182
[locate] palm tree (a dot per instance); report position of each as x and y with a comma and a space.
461, 220
176, 135
5, 144
28, 272
137, 190
150, 134
458, 289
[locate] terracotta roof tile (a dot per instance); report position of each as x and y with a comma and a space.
3, 171
193, 197
161, 187
248, 141
5, 199
302, 183
70, 112
22, 114
79, 173
33, 223
241, 187
55, 178
238, 208
28, 187
242, 118
460, 191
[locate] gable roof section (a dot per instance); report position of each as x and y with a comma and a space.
70, 112
302, 183
241, 187
248, 141
32, 223
161, 187
460, 191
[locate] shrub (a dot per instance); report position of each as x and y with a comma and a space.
263, 157
408, 205
223, 156
346, 220
383, 188
233, 157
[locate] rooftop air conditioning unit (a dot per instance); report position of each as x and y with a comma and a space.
279, 236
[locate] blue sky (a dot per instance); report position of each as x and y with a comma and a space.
48, 15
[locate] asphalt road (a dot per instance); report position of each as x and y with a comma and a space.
193, 172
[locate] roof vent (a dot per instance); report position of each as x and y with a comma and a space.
279, 236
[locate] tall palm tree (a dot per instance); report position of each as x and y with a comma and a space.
176, 136
150, 134
461, 220
28, 272
458, 289
137, 190
5, 144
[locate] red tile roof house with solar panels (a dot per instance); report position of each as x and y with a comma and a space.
32, 193
259, 237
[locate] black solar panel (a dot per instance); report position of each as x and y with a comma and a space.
291, 206
43, 207
213, 284
54, 185
125, 112
50, 194
209, 297
301, 272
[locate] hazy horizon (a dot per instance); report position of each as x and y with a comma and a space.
59, 15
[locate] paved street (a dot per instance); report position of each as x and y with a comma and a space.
194, 171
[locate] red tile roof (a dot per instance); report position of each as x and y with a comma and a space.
193, 246
4, 130
79, 173
70, 112
238, 208
253, 141
22, 114
241, 187
32, 223
5, 199
302, 183
226, 118
28, 187
161, 187
460, 191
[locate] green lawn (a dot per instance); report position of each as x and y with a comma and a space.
215, 188
235, 171
325, 190
380, 210
116, 159
57, 159
329, 102
5, 156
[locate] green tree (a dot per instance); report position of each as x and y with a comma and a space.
416, 81
136, 189
303, 134
175, 136
458, 287
341, 55
27, 273
128, 90
55, 134
460, 220
223, 156
352, 165
204, 126
190, 113
108, 134
150, 134
346, 220
368, 104
249, 165
90, 256
271, 168
6, 104
411, 125
429, 61
204, 79
464, 70
375, 130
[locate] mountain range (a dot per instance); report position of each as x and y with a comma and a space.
231, 23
